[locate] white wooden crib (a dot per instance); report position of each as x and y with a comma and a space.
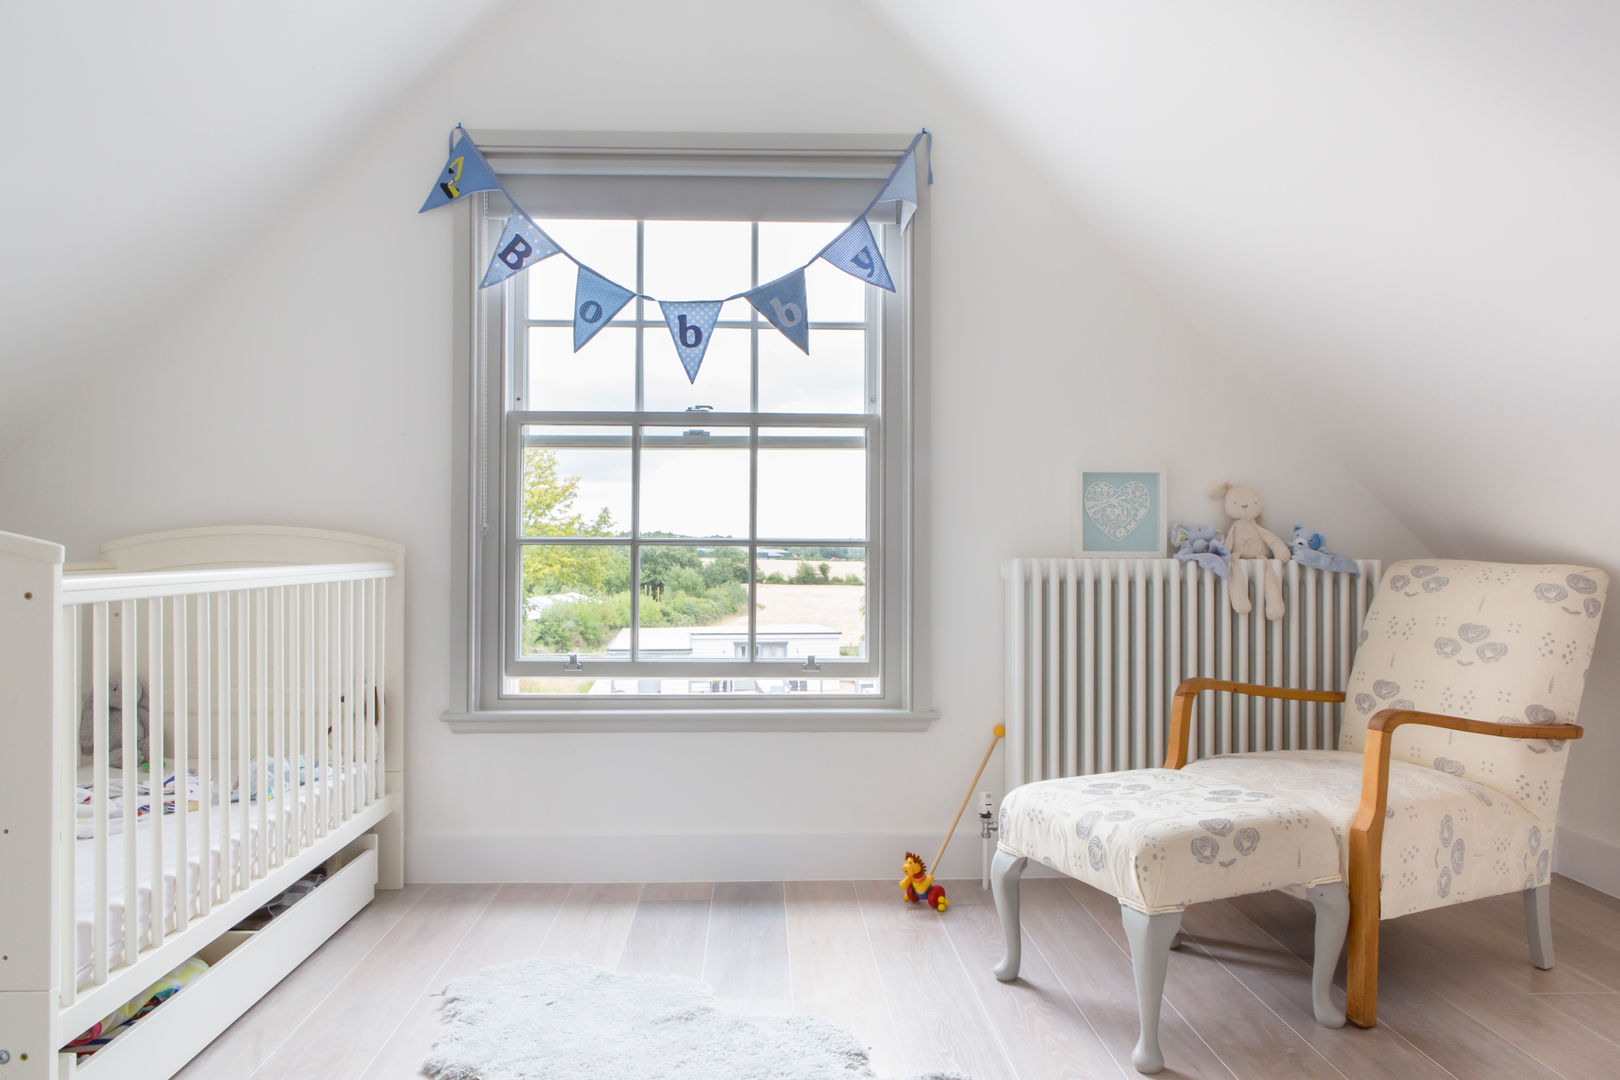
272, 661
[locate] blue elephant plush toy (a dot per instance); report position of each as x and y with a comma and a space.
1202, 545
1307, 548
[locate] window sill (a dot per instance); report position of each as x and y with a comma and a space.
502, 721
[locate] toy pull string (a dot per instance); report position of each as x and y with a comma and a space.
996, 733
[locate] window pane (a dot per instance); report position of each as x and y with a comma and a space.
601, 377
788, 245
694, 481
722, 381
831, 379
576, 598
812, 482
608, 247
697, 260
811, 602
576, 481
694, 603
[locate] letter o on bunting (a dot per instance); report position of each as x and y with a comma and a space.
522, 244
783, 305
691, 324
596, 300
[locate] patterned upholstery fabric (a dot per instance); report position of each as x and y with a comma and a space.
1487, 641
1159, 839
1446, 838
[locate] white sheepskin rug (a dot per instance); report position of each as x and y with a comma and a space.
561, 1019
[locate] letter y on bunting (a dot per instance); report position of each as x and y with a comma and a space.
691, 324
782, 302
522, 244
856, 253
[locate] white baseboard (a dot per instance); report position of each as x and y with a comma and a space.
1589, 860
716, 857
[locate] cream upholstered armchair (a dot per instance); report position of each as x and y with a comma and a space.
1461, 701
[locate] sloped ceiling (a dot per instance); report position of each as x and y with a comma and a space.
148, 144
1400, 218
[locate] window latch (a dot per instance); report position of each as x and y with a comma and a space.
573, 663
811, 665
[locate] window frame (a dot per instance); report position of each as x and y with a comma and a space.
487, 434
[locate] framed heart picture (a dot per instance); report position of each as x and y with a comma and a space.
1120, 513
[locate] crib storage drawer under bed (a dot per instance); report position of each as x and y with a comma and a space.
243, 967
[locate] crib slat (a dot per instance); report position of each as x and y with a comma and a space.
312, 761
205, 764
372, 692
100, 781
129, 711
67, 757
356, 705
295, 723
243, 844
180, 695
155, 771
260, 860
324, 729
278, 723
382, 684
226, 849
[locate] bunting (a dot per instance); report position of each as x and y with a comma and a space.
782, 302
596, 301
465, 173
691, 324
522, 244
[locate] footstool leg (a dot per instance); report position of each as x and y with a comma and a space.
1538, 925
1004, 873
1332, 904
1150, 937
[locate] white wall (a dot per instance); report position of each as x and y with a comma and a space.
310, 384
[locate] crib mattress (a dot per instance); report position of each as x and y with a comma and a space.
225, 854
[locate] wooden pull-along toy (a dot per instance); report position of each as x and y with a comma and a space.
918, 884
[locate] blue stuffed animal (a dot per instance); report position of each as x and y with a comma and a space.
1200, 544
1308, 551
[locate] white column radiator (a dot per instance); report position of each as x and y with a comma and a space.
1096, 647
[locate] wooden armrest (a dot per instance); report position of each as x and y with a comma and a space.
1367, 836
1175, 754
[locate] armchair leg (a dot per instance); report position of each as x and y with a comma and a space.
1005, 871
1361, 975
1150, 937
1538, 925
1332, 904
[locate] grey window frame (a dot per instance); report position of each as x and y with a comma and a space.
485, 446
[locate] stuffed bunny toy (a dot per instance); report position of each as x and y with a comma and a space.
1248, 539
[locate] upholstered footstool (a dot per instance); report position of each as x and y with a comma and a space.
1158, 840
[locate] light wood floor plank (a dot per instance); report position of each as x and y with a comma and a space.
746, 958
511, 928
1043, 1031
670, 932
248, 1043
833, 971
1248, 1037
1283, 982
1447, 1034
1097, 975
344, 1034
592, 923
936, 1014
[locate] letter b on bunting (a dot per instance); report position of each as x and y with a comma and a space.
691, 324
522, 244
782, 303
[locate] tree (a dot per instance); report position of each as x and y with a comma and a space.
548, 510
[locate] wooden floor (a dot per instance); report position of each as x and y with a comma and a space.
1459, 997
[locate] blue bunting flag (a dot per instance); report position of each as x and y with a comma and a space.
465, 173
596, 300
902, 187
691, 324
522, 244
782, 302
856, 253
